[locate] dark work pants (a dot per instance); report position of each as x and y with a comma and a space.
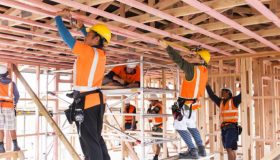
92, 143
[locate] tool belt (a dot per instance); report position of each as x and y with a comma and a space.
177, 107
75, 110
157, 127
226, 125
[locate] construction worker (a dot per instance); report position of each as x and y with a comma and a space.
155, 107
130, 123
125, 75
193, 87
88, 71
9, 97
229, 118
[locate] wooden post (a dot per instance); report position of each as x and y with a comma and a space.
56, 117
45, 113
123, 147
37, 122
219, 85
164, 112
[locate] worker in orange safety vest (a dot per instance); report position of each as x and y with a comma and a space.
9, 97
130, 122
192, 89
228, 105
155, 107
88, 107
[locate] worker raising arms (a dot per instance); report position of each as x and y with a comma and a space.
88, 107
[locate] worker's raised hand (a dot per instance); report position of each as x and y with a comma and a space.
65, 13
163, 43
77, 24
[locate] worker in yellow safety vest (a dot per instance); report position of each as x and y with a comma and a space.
192, 89
88, 107
9, 97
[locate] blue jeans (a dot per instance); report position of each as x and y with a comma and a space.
187, 137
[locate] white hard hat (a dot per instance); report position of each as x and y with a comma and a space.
127, 101
153, 97
228, 89
131, 65
3, 69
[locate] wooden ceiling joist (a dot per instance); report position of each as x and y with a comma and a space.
28, 36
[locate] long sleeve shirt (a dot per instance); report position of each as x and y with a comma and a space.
15, 90
64, 32
217, 100
187, 67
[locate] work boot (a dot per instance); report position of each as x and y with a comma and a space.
2, 149
155, 157
201, 151
16, 147
190, 154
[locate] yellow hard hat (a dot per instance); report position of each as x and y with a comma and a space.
205, 55
102, 30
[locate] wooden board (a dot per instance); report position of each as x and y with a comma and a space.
200, 158
13, 154
46, 114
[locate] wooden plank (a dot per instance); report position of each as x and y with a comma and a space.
200, 158
45, 113
246, 21
275, 153
187, 10
164, 103
12, 154
163, 4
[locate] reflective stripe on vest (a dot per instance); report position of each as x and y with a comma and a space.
91, 76
93, 68
228, 112
196, 89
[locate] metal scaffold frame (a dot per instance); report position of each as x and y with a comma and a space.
140, 92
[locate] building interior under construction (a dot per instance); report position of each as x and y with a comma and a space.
242, 36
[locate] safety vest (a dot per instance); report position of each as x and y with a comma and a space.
195, 88
229, 112
128, 119
6, 95
158, 120
129, 78
89, 69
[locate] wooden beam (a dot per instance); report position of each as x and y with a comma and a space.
188, 10
46, 114
272, 155
163, 4
253, 20
241, 36
12, 154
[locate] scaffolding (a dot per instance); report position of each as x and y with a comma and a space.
252, 111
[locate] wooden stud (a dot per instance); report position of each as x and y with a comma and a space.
45, 113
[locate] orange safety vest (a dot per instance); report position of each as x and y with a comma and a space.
195, 88
229, 112
89, 70
128, 119
129, 78
158, 120
6, 95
